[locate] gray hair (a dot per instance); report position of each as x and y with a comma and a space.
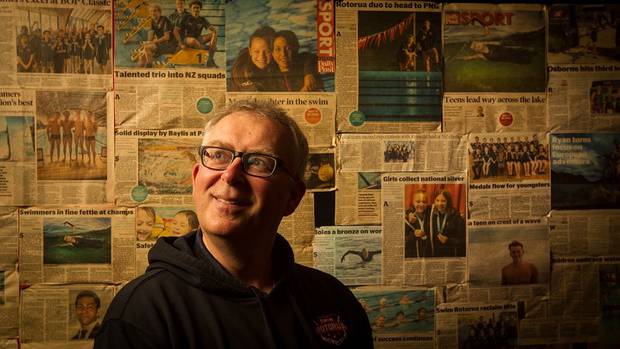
270, 111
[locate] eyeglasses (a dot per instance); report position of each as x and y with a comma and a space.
254, 164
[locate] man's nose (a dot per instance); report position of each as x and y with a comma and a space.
234, 171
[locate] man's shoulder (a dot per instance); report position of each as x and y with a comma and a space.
143, 291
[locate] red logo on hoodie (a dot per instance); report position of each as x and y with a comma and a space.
331, 329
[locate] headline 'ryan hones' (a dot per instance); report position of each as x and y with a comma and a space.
233, 282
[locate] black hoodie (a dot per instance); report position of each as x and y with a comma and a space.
186, 299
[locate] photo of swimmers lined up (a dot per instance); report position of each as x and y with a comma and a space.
272, 62
61, 41
506, 157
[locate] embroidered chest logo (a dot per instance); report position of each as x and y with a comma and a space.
331, 329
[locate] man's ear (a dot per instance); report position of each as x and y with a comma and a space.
297, 193
195, 171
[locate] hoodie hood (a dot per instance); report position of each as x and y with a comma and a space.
188, 258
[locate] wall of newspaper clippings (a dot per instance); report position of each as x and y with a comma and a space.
464, 169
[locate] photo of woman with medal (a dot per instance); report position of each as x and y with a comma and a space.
446, 227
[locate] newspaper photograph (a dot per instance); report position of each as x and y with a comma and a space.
63, 316
66, 45
320, 174
274, 46
315, 113
298, 230
17, 152
583, 34
350, 253
169, 35
157, 99
514, 252
424, 223
474, 325
505, 112
494, 48
363, 157
155, 166
584, 233
89, 244
583, 97
585, 166
153, 222
394, 83
73, 143
508, 175
400, 318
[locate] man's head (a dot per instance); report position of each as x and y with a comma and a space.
87, 305
100, 29
155, 11
516, 251
194, 8
180, 5
233, 200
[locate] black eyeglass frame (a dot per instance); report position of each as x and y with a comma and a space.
243, 156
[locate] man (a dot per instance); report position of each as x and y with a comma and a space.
87, 305
188, 32
233, 282
67, 136
160, 39
519, 272
179, 12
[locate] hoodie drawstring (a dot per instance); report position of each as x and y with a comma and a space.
272, 343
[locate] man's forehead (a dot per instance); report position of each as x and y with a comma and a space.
86, 299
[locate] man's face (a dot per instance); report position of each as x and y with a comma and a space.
180, 4
516, 252
260, 53
86, 310
155, 13
282, 53
195, 10
230, 203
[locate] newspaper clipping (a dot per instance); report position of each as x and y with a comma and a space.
508, 175
165, 56
494, 48
314, 113
585, 166
51, 141
275, 45
350, 253
77, 55
400, 318
584, 233
298, 230
423, 228
583, 97
582, 34
389, 76
155, 166
477, 325
63, 316
505, 112
86, 244
9, 278
363, 157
